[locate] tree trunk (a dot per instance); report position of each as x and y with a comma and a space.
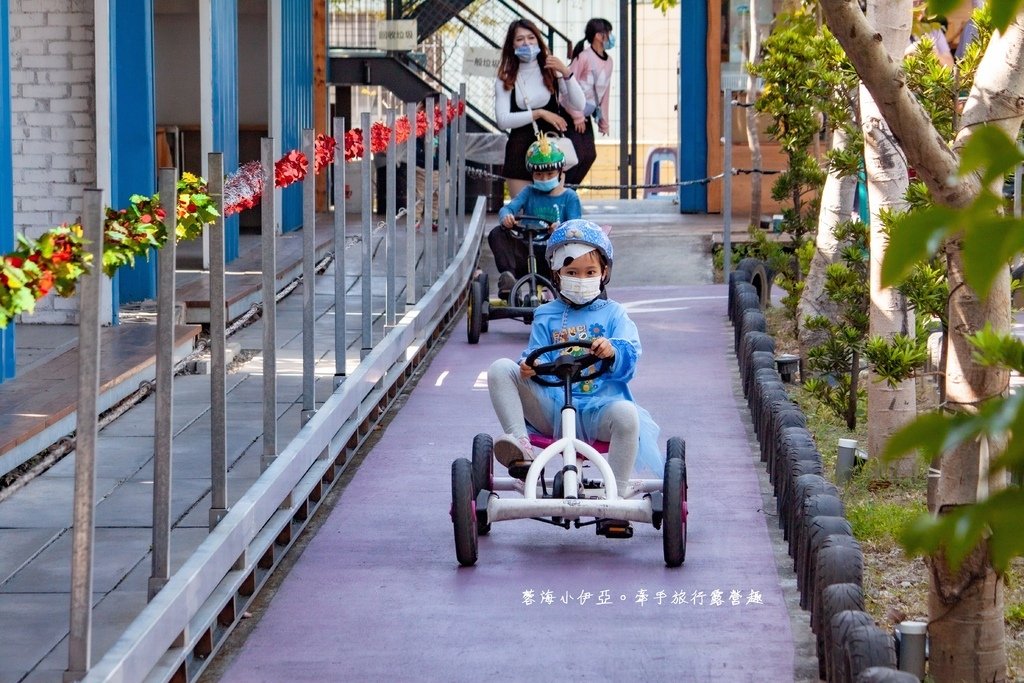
889, 408
965, 608
836, 207
753, 135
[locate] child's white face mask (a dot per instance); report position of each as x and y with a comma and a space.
580, 290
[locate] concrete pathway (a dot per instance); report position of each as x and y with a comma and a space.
377, 594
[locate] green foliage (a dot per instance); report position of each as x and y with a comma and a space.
989, 239
1014, 615
897, 358
958, 531
881, 522
934, 86
836, 358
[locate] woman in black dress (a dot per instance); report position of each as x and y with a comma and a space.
528, 91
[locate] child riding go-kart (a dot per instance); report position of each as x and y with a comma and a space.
555, 390
576, 495
523, 282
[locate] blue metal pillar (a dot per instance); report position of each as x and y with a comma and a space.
224, 30
693, 105
133, 127
6, 180
296, 95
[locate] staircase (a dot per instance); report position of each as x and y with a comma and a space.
446, 31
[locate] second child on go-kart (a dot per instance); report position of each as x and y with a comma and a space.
547, 198
580, 255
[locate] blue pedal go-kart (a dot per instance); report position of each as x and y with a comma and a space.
528, 292
576, 495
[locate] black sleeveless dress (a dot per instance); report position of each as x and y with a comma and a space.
520, 139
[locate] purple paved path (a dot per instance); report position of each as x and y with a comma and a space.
377, 593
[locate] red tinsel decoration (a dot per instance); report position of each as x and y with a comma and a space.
244, 188
323, 152
290, 168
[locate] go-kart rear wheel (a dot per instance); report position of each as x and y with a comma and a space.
475, 311
483, 476
464, 512
675, 448
673, 524
486, 309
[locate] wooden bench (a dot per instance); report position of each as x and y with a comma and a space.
37, 408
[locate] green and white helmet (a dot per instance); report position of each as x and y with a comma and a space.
544, 156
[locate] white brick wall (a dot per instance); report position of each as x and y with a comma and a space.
53, 121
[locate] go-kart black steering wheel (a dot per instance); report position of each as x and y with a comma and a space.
566, 366
534, 228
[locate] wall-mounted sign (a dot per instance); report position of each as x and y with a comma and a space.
480, 61
396, 35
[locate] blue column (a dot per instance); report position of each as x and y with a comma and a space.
132, 127
296, 95
6, 180
224, 29
693, 105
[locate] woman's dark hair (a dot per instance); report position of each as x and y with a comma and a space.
594, 26
508, 67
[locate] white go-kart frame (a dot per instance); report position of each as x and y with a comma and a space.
569, 499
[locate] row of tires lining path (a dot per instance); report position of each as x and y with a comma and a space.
378, 592
827, 560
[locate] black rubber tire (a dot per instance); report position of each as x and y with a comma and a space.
483, 476
673, 523
839, 631
475, 312
865, 647
816, 531
485, 311
883, 674
464, 512
839, 597
676, 448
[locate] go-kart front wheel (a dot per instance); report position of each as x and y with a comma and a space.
673, 523
483, 476
475, 311
463, 512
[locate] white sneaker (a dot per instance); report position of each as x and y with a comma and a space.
508, 449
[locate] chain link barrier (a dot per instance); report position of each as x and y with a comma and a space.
487, 175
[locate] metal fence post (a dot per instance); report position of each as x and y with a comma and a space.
442, 193
727, 186
340, 207
218, 351
428, 222
453, 173
268, 240
367, 270
410, 206
391, 208
164, 411
308, 279
460, 203
82, 534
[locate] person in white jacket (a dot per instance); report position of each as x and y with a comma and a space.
529, 92
592, 66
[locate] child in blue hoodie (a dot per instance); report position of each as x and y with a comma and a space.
580, 255
547, 198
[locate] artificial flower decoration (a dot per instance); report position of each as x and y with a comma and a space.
57, 259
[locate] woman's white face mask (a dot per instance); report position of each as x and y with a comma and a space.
580, 290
